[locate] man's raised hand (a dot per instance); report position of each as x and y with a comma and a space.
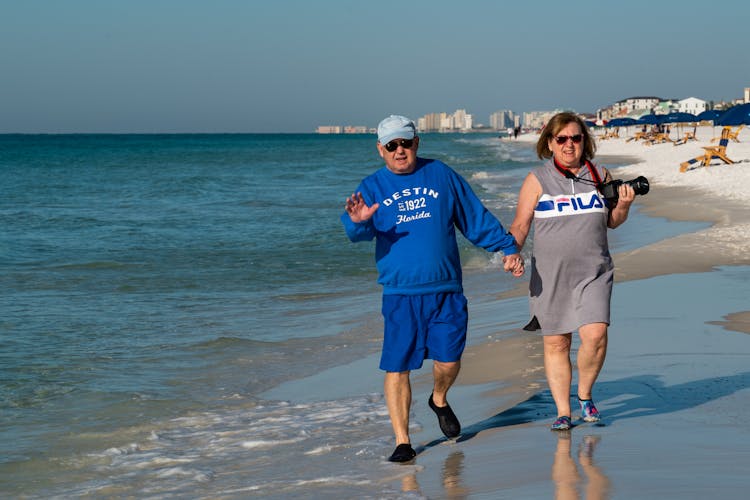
357, 208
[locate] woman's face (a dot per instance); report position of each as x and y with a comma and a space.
569, 153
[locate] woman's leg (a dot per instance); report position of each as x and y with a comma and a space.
558, 370
591, 356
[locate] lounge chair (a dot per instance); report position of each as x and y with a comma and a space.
611, 134
712, 152
689, 136
658, 139
732, 135
637, 136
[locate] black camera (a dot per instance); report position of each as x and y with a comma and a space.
639, 185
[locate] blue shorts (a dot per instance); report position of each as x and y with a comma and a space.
419, 327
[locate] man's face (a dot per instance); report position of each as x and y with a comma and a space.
402, 157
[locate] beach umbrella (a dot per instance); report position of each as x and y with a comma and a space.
621, 122
737, 115
709, 115
678, 117
650, 119
589, 123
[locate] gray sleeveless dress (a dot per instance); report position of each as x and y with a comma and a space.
571, 268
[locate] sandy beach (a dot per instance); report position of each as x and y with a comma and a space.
674, 390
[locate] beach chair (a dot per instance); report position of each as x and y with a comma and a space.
712, 153
611, 134
689, 136
637, 136
658, 139
732, 135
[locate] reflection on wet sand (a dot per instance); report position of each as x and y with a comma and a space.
565, 472
451, 475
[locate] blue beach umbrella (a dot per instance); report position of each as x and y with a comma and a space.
621, 122
650, 119
737, 115
589, 123
678, 117
709, 115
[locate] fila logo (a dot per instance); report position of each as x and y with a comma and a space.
554, 206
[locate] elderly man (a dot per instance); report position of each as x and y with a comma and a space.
412, 206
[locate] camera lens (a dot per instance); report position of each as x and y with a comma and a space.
639, 185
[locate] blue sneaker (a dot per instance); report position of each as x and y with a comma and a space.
589, 413
561, 424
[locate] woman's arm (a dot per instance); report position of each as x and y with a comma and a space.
528, 197
618, 211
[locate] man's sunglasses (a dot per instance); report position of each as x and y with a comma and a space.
394, 144
562, 139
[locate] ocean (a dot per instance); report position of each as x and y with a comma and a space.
154, 288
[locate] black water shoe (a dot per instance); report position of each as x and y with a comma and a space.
402, 453
447, 419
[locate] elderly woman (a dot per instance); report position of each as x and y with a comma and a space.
571, 268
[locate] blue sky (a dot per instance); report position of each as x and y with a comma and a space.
290, 65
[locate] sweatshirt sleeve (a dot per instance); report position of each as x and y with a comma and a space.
358, 231
477, 223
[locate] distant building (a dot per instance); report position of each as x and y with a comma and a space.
692, 105
459, 121
355, 129
747, 94
347, 129
501, 120
329, 129
538, 119
629, 107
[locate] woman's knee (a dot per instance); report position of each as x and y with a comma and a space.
594, 335
557, 343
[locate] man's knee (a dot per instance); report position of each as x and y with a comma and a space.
447, 366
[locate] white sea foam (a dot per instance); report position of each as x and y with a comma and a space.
273, 447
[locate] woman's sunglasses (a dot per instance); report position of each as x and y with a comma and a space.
394, 144
562, 139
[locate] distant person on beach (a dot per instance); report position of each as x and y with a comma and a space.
516, 131
412, 207
571, 269
510, 132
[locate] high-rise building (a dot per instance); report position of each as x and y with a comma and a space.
443, 122
501, 120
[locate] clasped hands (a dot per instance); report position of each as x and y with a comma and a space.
513, 264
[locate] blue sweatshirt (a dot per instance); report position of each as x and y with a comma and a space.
416, 250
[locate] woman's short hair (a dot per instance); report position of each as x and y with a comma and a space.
555, 125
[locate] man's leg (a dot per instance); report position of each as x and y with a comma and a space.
397, 390
558, 369
591, 356
444, 374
